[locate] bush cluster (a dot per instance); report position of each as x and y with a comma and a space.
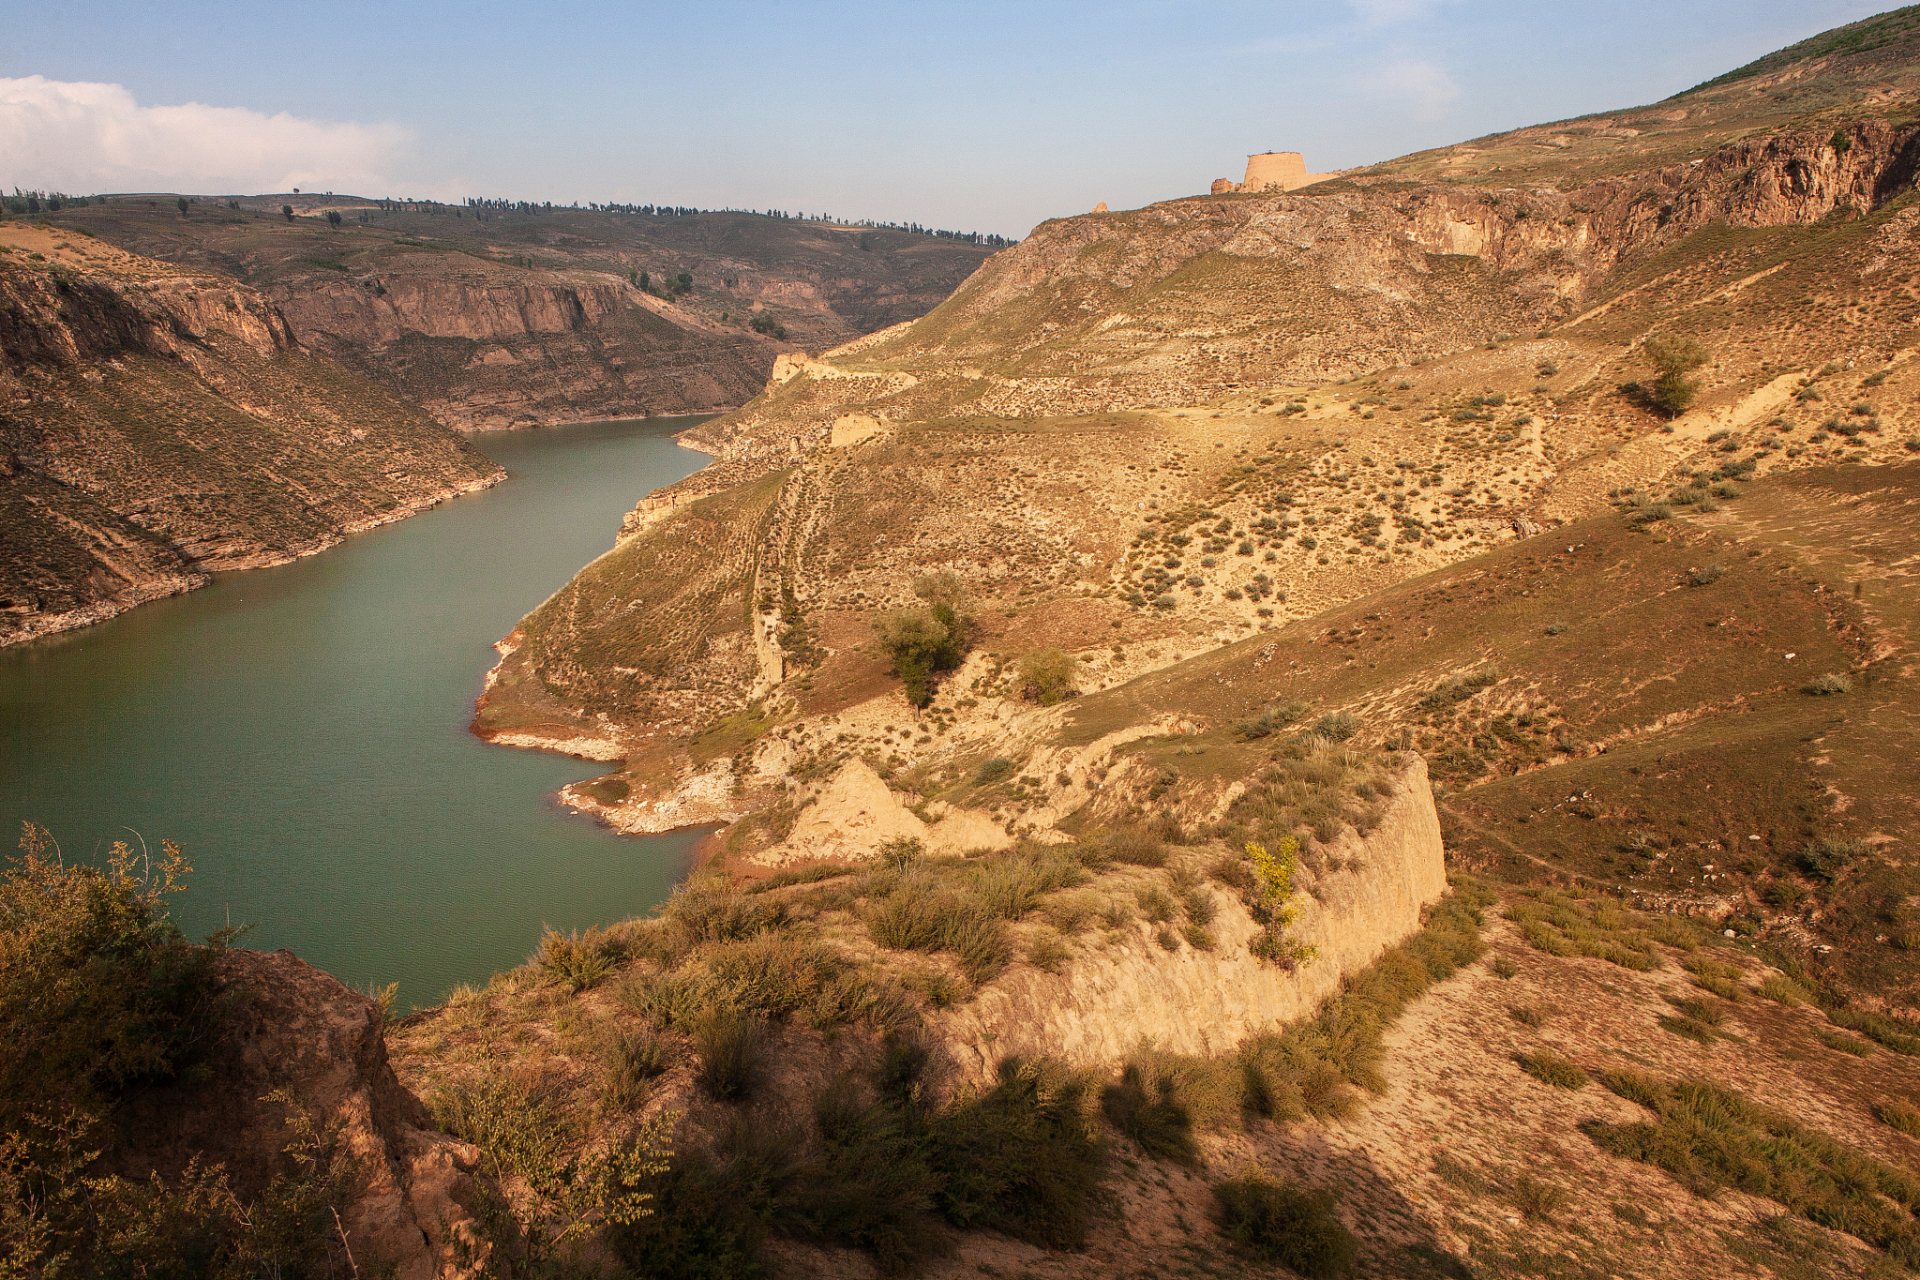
101, 995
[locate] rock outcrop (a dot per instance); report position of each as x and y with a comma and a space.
1109, 1002
495, 319
298, 1040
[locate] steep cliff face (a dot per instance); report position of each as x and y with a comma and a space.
155, 426
500, 319
1108, 1003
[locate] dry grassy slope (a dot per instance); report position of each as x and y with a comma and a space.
1460, 1163
1660, 727
520, 319
1121, 434
1468, 1166
1366, 483
1867, 68
157, 425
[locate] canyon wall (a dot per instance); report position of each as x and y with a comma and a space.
156, 426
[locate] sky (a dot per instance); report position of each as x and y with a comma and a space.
985, 117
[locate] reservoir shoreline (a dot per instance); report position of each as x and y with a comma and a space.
302, 731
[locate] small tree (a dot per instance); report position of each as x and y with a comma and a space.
1674, 357
182, 202
1046, 677
286, 211
925, 641
333, 217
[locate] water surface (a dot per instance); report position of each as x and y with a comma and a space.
301, 731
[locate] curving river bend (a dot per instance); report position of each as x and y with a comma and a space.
301, 731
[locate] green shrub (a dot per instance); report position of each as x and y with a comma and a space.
1564, 925
1826, 859
1010, 884
1897, 1034
1781, 988
1705, 577
631, 1062
991, 771
577, 961
925, 641
1284, 1224
521, 1128
1135, 846
1537, 1199
922, 914
1900, 1115
1021, 1158
1673, 358
1269, 720
1846, 1044
99, 990
901, 852
100, 994
1337, 726
872, 1187
1047, 952
1047, 677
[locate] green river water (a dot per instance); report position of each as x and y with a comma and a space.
302, 732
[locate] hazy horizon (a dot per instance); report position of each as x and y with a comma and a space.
992, 120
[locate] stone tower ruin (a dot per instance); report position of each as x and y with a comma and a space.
1273, 171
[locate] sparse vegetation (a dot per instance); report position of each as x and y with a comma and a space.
1708, 1137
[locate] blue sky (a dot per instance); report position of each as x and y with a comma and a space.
990, 116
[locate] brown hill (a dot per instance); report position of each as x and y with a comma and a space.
503, 318
1138, 436
160, 424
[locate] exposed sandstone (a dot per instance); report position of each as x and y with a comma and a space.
1108, 1002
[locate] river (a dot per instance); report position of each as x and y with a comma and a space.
301, 732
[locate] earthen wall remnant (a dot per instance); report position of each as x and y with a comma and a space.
1273, 171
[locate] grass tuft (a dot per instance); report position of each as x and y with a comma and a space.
1549, 1067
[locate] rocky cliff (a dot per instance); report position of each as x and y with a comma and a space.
155, 426
494, 319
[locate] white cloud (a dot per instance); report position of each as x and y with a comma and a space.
1413, 80
85, 138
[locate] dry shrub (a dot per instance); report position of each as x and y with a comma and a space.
1284, 1224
